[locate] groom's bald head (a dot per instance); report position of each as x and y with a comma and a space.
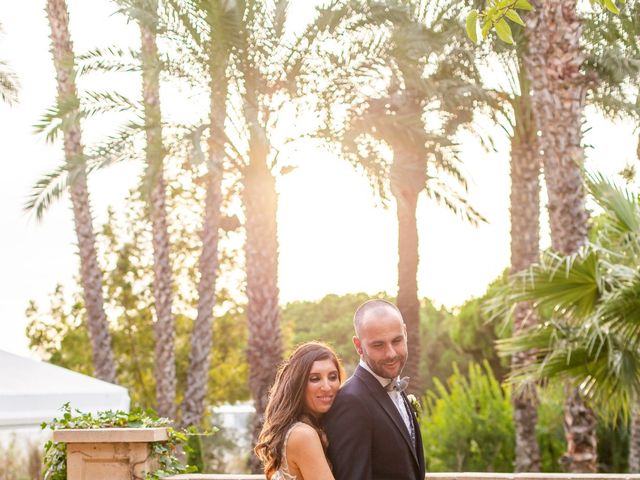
375, 306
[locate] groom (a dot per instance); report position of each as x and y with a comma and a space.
372, 430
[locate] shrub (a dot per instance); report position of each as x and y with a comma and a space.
467, 425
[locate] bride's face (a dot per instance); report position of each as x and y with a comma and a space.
322, 385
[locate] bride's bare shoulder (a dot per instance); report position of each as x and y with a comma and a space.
301, 434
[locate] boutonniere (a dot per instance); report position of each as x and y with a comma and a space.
415, 404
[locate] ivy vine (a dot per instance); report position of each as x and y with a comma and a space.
55, 453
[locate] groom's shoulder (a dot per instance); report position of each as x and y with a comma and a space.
354, 386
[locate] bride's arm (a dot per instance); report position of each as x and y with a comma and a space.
304, 450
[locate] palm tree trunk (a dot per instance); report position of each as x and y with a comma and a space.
406, 187
264, 349
553, 62
201, 336
525, 240
90, 273
165, 368
634, 440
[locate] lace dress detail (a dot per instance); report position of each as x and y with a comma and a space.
283, 471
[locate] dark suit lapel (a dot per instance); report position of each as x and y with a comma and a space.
382, 397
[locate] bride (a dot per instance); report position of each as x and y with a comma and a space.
292, 445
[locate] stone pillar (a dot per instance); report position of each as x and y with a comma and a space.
109, 453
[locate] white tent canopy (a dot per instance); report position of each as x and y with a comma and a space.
32, 392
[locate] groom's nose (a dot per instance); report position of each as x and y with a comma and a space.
390, 352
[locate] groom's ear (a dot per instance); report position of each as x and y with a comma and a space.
357, 344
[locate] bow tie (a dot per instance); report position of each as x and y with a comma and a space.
397, 384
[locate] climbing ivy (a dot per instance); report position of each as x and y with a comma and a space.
55, 453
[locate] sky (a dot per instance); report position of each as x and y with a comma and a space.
334, 237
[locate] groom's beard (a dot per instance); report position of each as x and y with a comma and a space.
386, 368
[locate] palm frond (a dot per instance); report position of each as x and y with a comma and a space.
58, 117
108, 59
620, 206
46, 191
603, 365
570, 285
8, 84
443, 194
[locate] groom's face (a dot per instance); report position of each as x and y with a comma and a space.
382, 342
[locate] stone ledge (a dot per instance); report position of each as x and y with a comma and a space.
447, 476
111, 435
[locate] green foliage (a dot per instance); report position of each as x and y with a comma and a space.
549, 429
498, 13
496, 16
475, 332
59, 333
613, 446
329, 320
467, 424
591, 302
162, 453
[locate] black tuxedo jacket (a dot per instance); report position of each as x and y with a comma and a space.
368, 439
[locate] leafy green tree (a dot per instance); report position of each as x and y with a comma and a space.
328, 320
59, 331
447, 338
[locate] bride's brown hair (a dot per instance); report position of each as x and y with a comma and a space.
286, 403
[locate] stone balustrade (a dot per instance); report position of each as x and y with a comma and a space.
123, 454
444, 476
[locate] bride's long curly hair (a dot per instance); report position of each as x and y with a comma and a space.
286, 403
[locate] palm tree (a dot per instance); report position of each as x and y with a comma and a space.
514, 114
8, 83
165, 372
213, 46
590, 299
525, 241
555, 60
423, 153
91, 276
265, 61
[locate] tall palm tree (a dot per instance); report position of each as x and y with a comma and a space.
514, 114
525, 245
90, 274
8, 82
424, 153
265, 63
554, 58
213, 46
165, 368
591, 302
